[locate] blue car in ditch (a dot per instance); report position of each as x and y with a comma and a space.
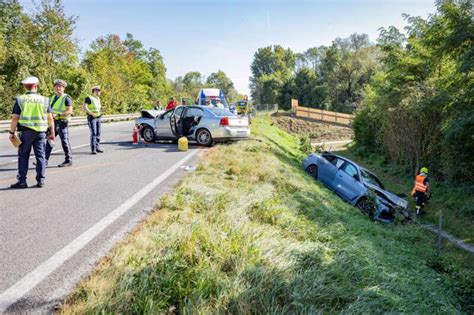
356, 185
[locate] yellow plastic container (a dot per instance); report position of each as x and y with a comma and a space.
183, 144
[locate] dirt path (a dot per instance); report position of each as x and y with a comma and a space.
331, 145
317, 131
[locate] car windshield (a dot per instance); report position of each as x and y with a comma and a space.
371, 179
221, 111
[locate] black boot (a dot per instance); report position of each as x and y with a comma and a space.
19, 185
65, 163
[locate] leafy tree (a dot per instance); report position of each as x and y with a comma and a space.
326, 77
135, 46
192, 82
55, 49
311, 58
125, 79
419, 109
271, 68
160, 88
221, 81
39, 44
16, 52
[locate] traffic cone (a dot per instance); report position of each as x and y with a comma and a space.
135, 135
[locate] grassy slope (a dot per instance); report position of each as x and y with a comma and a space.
249, 232
457, 202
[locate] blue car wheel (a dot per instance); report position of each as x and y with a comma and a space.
366, 206
312, 170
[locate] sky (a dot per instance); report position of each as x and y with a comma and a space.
211, 35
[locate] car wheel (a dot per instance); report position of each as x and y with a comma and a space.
312, 170
204, 137
148, 134
365, 206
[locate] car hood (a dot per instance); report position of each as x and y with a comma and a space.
389, 196
151, 113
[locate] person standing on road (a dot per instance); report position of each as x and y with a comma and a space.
93, 107
61, 106
158, 105
420, 190
219, 104
32, 116
171, 104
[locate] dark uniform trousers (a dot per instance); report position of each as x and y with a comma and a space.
94, 126
420, 198
30, 138
61, 129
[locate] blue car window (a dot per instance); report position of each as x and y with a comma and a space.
337, 162
193, 111
349, 169
178, 111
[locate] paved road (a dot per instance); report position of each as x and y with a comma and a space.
51, 237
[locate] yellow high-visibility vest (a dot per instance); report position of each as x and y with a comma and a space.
59, 107
34, 108
95, 105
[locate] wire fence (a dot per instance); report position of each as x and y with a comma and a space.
264, 109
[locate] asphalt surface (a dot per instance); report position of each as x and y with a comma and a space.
44, 250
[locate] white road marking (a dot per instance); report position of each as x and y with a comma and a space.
28, 282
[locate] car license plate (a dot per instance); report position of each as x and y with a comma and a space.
241, 133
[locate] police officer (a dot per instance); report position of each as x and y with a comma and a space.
31, 115
61, 106
92, 107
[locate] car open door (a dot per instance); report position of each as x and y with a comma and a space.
175, 121
162, 125
346, 182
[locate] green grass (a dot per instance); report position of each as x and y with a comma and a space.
457, 202
250, 233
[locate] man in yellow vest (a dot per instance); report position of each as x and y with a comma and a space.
93, 108
420, 190
32, 116
61, 106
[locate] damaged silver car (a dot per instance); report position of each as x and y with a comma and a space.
203, 124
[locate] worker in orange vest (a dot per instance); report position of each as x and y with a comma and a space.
420, 190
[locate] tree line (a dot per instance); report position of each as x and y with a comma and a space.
41, 43
329, 77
